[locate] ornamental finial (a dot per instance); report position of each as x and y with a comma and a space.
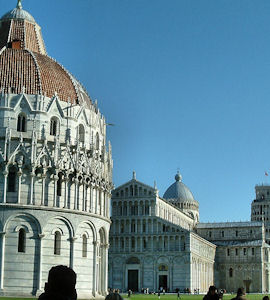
19, 4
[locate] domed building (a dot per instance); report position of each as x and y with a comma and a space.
180, 196
153, 243
158, 243
56, 168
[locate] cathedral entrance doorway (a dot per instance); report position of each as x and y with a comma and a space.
247, 284
163, 279
133, 280
133, 274
163, 282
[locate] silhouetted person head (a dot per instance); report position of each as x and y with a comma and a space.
240, 292
113, 296
61, 284
265, 298
212, 290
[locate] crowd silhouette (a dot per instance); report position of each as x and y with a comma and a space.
61, 285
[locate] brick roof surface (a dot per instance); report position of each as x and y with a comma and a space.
24, 64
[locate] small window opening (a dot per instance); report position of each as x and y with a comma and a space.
21, 123
231, 272
53, 126
81, 133
57, 243
59, 184
21, 240
84, 246
97, 141
11, 181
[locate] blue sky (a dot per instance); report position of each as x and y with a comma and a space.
186, 83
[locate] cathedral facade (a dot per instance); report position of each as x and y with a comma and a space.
158, 242
56, 168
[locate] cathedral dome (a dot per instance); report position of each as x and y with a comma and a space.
178, 191
25, 65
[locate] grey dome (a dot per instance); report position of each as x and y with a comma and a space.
179, 192
18, 13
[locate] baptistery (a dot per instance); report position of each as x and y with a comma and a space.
56, 168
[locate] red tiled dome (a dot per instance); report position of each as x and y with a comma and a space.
24, 63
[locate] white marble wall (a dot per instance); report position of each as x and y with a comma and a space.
39, 159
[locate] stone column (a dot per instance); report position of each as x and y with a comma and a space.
32, 175
19, 184
155, 277
55, 178
96, 199
101, 208
71, 257
39, 283
83, 197
2, 259
5, 173
75, 193
90, 197
66, 192
105, 286
94, 269
86, 203
43, 176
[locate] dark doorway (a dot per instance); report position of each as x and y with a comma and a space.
163, 282
133, 280
247, 284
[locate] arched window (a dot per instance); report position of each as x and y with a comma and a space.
231, 272
57, 243
163, 268
21, 123
84, 246
54, 126
11, 180
81, 133
97, 141
59, 184
133, 261
21, 240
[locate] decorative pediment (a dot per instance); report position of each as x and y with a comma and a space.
23, 104
66, 161
54, 107
19, 155
82, 116
138, 184
44, 157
